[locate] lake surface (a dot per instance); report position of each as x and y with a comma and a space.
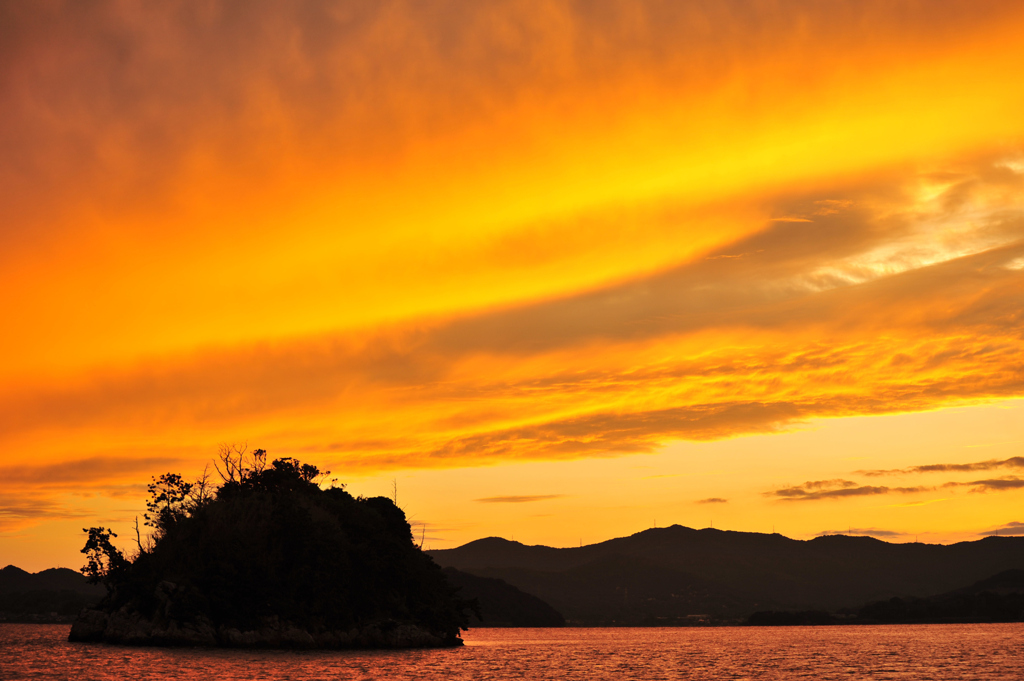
934, 651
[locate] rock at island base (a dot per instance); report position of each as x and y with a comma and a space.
132, 629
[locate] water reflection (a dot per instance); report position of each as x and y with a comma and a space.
956, 651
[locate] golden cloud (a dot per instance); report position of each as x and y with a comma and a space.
433, 235
886, 303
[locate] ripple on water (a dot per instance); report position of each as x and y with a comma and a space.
941, 652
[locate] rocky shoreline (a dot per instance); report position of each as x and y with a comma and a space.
128, 627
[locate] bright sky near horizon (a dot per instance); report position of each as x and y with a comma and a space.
560, 270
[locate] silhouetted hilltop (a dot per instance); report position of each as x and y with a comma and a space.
678, 574
54, 595
1006, 582
503, 605
16, 580
270, 559
999, 598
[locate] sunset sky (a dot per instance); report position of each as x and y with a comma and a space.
560, 271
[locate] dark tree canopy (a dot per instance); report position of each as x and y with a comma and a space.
269, 542
106, 563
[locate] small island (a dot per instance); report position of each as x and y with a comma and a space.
269, 558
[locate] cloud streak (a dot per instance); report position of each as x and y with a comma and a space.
809, 325
83, 473
1011, 529
19, 510
865, 532
1004, 484
837, 489
992, 464
519, 499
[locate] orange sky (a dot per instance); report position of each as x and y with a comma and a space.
561, 271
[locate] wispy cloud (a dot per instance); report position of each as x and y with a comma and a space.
865, 532
992, 464
713, 500
1013, 528
83, 472
622, 369
913, 504
1003, 484
837, 489
18, 511
519, 499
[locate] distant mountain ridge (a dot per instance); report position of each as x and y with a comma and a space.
1006, 582
53, 595
14, 579
999, 598
501, 604
678, 574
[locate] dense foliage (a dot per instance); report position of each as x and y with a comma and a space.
269, 542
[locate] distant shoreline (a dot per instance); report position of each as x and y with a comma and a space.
730, 625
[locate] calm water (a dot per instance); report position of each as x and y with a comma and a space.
957, 651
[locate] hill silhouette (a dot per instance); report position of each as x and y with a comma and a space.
1005, 583
501, 604
999, 598
679, 575
53, 595
14, 579
269, 558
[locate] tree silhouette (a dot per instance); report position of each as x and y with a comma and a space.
106, 564
166, 504
269, 542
